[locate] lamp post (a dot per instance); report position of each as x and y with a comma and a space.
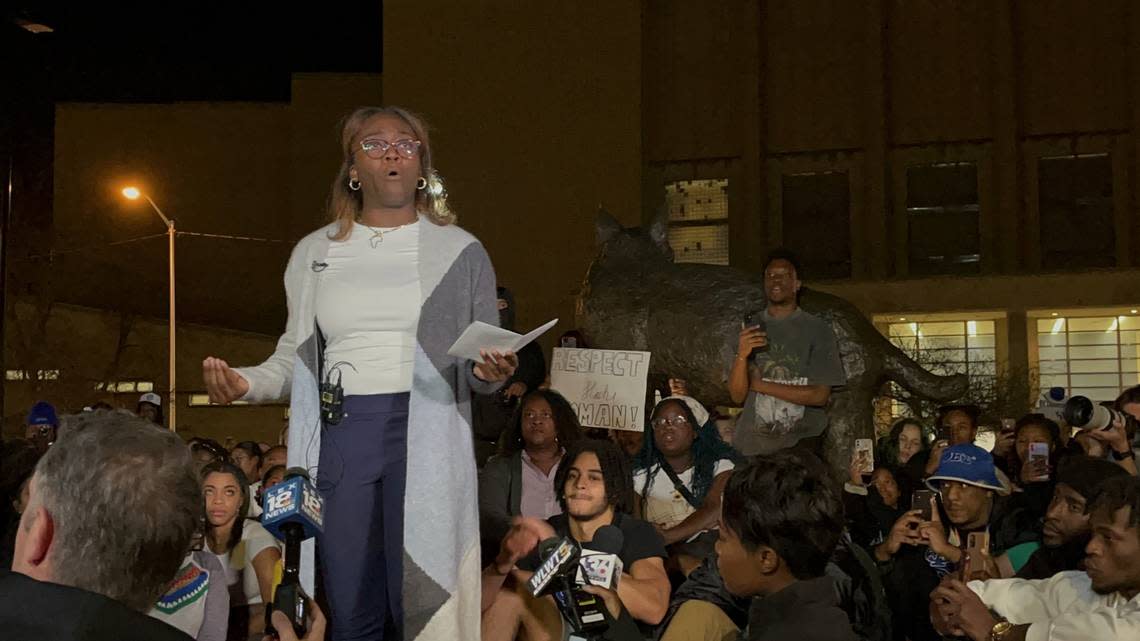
134, 193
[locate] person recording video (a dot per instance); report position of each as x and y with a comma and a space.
787, 362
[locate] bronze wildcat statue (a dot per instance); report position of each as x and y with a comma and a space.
689, 316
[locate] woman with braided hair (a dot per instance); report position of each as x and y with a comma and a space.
679, 477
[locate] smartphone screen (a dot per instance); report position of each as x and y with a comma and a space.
865, 455
920, 500
1039, 452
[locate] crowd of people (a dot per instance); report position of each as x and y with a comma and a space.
162, 489
753, 537
725, 528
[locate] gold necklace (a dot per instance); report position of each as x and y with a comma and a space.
378, 233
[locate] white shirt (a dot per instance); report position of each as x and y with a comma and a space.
368, 307
664, 505
1062, 608
238, 562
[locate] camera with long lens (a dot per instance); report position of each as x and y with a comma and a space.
1080, 412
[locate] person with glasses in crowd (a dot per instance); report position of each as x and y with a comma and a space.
376, 299
679, 478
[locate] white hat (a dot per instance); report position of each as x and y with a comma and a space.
698, 410
152, 398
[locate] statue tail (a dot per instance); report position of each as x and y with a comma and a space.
901, 369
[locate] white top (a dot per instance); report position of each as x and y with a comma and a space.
254, 511
368, 307
664, 505
1062, 608
238, 562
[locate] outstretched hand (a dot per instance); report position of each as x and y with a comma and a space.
222, 382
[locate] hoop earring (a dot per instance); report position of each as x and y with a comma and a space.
421, 183
354, 184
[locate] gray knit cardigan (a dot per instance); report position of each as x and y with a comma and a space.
441, 585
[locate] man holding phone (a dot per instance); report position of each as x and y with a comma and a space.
930, 541
787, 362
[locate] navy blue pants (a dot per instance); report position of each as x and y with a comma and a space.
363, 465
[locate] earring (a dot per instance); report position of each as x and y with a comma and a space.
354, 184
421, 183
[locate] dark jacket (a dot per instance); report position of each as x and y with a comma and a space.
500, 496
806, 610
1046, 562
33, 610
858, 592
910, 577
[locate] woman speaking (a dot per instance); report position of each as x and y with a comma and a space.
375, 299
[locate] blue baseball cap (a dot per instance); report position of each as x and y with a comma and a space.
966, 463
43, 413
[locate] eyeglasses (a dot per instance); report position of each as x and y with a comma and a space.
375, 148
676, 421
537, 416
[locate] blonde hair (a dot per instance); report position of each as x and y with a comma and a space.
345, 204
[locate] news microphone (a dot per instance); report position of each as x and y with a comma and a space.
559, 558
292, 513
585, 613
599, 563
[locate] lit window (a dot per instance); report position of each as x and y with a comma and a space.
125, 387
203, 400
944, 347
32, 375
1096, 356
698, 220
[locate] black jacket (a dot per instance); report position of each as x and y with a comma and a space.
806, 610
33, 610
854, 579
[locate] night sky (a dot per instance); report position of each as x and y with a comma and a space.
167, 51
147, 52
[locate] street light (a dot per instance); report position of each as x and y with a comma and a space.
134, 193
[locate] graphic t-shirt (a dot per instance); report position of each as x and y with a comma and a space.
801, 350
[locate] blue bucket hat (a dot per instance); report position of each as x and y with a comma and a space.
43, 413
966, 463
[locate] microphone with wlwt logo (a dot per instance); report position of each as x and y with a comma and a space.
566, 567
292, 513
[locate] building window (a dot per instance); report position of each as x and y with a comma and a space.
942, 219
698, 220
944, 347
32, 375
125, 387
203, 400
816, 219
1097, 357
1076, 212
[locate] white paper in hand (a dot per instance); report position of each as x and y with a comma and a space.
481, 336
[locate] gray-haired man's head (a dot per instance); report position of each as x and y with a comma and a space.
113, 507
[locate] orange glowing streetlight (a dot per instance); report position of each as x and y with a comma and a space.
134, 193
